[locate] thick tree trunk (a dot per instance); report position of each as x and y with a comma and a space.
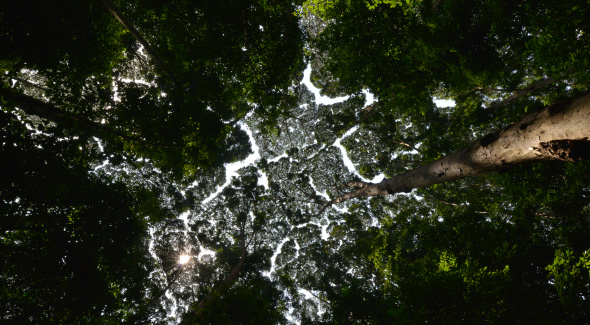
560, 131
129, 26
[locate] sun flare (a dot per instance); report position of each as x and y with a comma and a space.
183, 259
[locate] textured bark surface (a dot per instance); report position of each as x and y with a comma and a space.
567, 150
559, 131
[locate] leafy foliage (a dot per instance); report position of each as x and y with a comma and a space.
114, 167
73, 246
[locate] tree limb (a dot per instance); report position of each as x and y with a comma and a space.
371, 111
522, 92
28, 83
453, 204
222, 286
399, 141
481, 88
563, 127
129, 26
33, 106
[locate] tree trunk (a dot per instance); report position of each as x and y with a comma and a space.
129, 26
222, 286
560, 131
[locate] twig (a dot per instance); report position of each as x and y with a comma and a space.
403, 143
453, 204
482, 88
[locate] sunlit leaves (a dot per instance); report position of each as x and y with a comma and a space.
571, 274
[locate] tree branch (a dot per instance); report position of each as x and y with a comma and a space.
522, 92
453, 204
222, 286
563, 126
33, 106
399, 141
481, 88
371, 111
28, 83
129, 26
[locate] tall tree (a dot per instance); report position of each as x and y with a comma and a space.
74, 246
559, 131
80, 91
108, 153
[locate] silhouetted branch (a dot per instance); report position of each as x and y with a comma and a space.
129, 26
28, 83
403, 143
225, 284
453, 204
33, 106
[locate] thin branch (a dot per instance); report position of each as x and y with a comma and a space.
453, 204
403, 143
309, 196
26, 82
522, 92
33, 106
318, 297
368, 108
371, 112
326, 205
482, 88
547, 215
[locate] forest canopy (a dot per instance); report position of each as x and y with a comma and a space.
295, 162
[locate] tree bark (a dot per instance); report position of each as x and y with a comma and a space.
129, 26
560, 131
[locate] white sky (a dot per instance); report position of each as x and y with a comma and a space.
444, 102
